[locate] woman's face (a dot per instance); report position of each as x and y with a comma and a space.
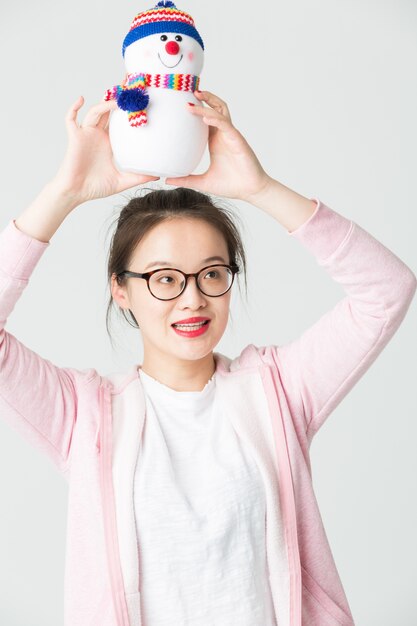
183, 243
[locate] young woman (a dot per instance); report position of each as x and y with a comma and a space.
190, 491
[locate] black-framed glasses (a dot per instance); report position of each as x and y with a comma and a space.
168, 283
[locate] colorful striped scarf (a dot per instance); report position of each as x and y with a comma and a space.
131, 95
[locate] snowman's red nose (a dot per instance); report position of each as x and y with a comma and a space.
172, 47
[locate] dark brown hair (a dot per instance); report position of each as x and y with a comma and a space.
145, 211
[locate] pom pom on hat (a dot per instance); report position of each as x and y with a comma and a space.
164, 17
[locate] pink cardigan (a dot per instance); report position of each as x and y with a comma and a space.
277, 398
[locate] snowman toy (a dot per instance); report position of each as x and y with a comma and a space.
152, 131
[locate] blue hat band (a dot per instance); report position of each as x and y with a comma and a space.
161, 27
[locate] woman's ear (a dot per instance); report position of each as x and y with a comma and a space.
119, 293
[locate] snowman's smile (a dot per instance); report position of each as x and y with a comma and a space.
169, 66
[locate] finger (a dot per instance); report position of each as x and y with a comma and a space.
130, 179
214, 101
212, 117
71, 115
95, 113
193, 181
104, 121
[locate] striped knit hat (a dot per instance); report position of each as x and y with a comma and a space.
163, 18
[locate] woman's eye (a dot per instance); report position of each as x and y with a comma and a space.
164, 37
178, 37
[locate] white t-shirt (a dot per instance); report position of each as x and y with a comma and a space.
200, 515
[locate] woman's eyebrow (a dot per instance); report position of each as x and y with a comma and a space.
170, 264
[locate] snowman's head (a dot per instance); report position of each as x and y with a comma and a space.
165, 53
163, 40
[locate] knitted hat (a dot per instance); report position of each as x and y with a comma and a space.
163, 18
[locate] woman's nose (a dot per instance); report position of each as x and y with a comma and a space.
172, 47
195, 291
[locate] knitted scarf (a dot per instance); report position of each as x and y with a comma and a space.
131, 95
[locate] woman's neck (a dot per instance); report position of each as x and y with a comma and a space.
180, 374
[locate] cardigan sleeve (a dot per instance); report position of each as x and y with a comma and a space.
37, 398
321, 366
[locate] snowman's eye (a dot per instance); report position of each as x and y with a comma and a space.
178, 37
164, 37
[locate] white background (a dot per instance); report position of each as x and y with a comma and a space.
326, 94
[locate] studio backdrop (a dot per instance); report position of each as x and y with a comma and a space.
325, 93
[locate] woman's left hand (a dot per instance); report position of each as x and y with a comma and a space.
234, 170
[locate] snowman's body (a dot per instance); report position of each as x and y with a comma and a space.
172, 141
170, 144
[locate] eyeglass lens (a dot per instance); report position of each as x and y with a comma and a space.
213, 281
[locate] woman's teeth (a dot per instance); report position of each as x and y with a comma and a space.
190, 326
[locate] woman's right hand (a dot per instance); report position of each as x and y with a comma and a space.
88, 171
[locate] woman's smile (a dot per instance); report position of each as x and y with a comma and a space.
194, 330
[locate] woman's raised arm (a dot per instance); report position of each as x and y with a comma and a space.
86, 173
320, 367
37, 398
235, 171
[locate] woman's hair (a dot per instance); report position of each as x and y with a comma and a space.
144, 212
